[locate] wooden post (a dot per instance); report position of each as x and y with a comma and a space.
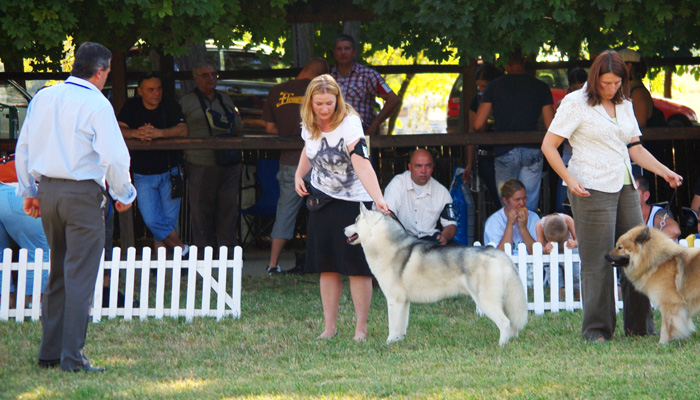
118, 79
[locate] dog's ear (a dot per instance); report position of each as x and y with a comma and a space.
363, 209
643, 236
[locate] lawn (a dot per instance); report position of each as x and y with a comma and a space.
449, 353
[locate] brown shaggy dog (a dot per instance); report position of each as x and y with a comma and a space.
668, 273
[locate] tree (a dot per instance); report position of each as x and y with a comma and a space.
483, 28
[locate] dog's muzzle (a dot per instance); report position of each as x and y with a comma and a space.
617, 260
352, 239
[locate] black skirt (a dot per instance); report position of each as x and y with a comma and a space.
327, 248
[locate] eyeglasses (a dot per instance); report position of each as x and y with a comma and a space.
213, 75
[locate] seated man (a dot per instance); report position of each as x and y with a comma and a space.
419, 201
17, 227
655, 216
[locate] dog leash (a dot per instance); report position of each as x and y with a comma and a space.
667, 209
396, 218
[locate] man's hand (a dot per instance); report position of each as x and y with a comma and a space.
467, 175
373, 128
31, 207
121, 207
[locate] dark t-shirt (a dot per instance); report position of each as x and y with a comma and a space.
517, 101
283, 108
167, 115
474, 106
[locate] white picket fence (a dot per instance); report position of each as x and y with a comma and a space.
531, 270
197, 286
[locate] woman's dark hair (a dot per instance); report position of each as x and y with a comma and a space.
607, 62
89, 58
487, 72
577, 75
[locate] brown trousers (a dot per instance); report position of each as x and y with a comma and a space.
600, 219
213, 196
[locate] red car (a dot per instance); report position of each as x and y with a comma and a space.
676, 114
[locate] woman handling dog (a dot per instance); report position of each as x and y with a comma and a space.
601, 127
341, 177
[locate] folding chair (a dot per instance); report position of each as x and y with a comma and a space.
260, 217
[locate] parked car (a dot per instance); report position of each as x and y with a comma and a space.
675, 113
14, 100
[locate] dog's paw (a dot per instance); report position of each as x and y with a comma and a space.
394, 339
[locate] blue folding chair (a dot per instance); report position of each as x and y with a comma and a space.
260, 217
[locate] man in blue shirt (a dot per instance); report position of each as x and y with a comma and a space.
71, 143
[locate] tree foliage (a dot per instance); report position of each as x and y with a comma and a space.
37, 28
439, 29
483, 28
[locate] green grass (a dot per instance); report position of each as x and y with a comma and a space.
449, 353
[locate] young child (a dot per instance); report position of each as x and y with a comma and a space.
559, 228
556, 228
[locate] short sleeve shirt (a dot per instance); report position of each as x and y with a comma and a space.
496, 226
332, 171
600, 158
283, 107
517, 101
166, 115
360, 88
418, 212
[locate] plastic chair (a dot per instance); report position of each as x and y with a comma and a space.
261, 216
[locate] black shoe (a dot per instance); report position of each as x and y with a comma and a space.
88, 368
49, 363
295, 270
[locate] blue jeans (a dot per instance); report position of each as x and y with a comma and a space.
158, 210
26, 231
525, 165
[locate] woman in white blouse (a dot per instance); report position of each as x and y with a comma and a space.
599, 123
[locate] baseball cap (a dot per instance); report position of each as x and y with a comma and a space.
629, 56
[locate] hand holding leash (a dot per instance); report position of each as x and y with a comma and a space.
673, 179
383, 206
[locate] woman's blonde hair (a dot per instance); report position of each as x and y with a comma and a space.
323, 84
509, 187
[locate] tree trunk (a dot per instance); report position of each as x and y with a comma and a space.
668, 82
197, 54
303, 36
400, 94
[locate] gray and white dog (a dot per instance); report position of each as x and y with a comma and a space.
413, 270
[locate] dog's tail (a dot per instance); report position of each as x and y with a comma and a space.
516, 303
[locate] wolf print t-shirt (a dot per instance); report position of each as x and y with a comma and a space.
332, 171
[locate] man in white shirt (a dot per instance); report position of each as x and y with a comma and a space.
70, 143
655, 216
419, 201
